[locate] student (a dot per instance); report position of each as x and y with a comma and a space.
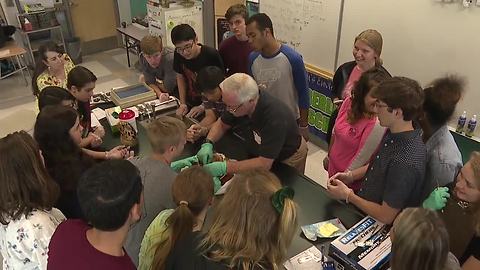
54, 95
253, 226
236, 49
58, 133
420, 242
208, 83
367, 48
189, 57
192, 192
27, 195
279, 68
357, 132
459, 202
394, 180
156, 63
80, 83
167, 138
111, 196
443, 157
275, 135
51, 68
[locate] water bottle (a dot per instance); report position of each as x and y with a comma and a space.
472, 124
461, 122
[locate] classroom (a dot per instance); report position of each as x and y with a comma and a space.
239, 134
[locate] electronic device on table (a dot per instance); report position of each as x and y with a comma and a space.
99, 98
132, 95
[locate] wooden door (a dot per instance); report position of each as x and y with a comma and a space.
93, 19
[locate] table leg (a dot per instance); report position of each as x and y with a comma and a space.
21, 69
127, 47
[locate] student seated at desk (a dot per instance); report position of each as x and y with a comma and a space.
54, 95
192, 192
253, 226
167, 138
420, 242
443, 157
189, 57
27, 196
274, 132
208, 83
156, 63
58, 133
357, 133
51, 68
460, 205
394, 180
111, 196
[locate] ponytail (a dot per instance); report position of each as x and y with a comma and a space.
287, 226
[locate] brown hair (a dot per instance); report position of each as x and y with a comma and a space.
164, 132
419, 241
475, 165
238, 9
25, 183
401, 93
247, 231
151, 44
441, 98
363, 86
192, 191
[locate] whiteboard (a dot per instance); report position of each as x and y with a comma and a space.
423, 40
308, 26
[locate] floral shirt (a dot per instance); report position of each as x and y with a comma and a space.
45, 79
24, 242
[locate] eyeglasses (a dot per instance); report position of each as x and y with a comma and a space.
186, 47
233, 110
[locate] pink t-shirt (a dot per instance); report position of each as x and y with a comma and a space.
352, 79
348, 139
70, 249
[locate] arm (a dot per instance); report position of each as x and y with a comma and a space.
300, 80
248, 164
217, 130
472, 263
383, 212
95, 154
209, 119
251, 58
182, 88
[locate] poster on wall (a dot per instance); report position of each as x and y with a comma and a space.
321, 106
223, 30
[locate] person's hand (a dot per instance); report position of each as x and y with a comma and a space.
95, 140
437, 199
163, 96
217, 169
196, 111
182, 110
99, 131
205, 154
326, 160
183, 163
304, 132
338, 190
119, 152
196, 131
346, 177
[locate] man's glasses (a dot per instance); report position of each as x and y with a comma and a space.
184, 48
233, 110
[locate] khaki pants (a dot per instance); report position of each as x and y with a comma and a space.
299, 158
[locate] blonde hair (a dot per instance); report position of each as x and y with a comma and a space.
164, 132
419, 241
374, 40
247, 231
151, 44
243, 85
475, 165
192, 191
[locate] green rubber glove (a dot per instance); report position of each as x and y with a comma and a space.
183, 163
205, 154
216, 169
217, 184
437, 199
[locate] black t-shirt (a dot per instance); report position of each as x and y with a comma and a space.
276, 135
473, 249
189, 68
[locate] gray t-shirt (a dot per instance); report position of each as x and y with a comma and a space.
163, 72
157, 178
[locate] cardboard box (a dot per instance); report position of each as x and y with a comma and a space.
366, 246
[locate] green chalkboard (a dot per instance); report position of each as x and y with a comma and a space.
138, 8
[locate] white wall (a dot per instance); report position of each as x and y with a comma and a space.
423, 40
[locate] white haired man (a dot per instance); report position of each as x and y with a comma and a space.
275, 137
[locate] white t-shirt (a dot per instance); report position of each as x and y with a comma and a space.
24, 242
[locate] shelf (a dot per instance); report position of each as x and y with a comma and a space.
39, 42
41, 30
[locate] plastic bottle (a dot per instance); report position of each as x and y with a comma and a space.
472, 124
27, 25
461, 122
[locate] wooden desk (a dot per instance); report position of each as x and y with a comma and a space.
132, 35
15, 55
